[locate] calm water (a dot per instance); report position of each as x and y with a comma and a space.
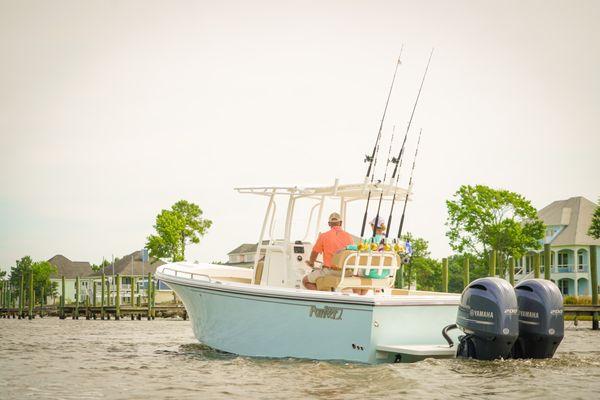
53, 359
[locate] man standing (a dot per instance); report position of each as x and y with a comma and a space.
328, 244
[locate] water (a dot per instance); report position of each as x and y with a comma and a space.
79, 359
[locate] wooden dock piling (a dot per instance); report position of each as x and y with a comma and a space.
536, 265
594, 272
62, 298
77, 297
102, 296
466, 279
118, 298
31, 296
492, 263
547, 261
445, 275
511, 271
132, 291
21, 296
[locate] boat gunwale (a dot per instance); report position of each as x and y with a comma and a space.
315, 296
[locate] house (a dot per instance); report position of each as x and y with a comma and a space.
70, 270
243, 255
567, 223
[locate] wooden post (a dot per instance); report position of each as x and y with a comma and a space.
87, 305
500, 261
153, 286
94, 294
132, 291
21, 296
108, 294
77, 296
594, 272
62, 298
42, 301
2, 294
445, 275
536, 265
492, 263
466, 279
102, 296
31, 295
547, 261
511, 271
118, 298
149, 296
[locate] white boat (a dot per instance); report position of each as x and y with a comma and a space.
265, 311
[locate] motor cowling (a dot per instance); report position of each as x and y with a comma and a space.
541, 320
487, 314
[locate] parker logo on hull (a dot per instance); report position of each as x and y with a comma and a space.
326, 312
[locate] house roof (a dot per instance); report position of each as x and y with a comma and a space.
69, 269
575, 214
244, 248
123, 266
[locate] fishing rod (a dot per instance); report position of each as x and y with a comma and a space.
398, 160
373, 158
384, 178
409, 185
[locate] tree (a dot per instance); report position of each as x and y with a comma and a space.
594, 230
105, 263
175, 228
481, 218
41, 276
426, 271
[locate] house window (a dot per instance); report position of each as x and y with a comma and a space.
581, 260
563, 259
563, 285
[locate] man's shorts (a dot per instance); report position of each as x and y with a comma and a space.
319, 273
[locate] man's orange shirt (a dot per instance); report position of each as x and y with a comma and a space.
331, 242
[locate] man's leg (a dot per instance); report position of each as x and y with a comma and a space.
308, 285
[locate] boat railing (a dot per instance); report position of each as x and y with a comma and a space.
188, 275
364, 261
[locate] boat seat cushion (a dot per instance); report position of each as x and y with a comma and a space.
331, 282
339, 257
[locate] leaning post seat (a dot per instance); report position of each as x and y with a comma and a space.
354, 265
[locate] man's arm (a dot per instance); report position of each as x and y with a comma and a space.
313, 258
317, 248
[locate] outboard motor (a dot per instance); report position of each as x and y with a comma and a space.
541, 322
488, 316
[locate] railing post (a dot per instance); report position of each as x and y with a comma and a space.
445, 275
118, 298
492, 263
466, 279
594, 272
511, 270
547, 261
536, 265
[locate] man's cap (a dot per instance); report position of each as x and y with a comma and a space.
380, 222
335, 217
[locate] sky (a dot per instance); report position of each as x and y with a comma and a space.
113, 110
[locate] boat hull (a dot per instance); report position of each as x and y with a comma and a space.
339, 327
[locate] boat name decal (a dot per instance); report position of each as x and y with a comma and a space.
326, 312
481, 313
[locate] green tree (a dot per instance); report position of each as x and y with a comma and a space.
41, 276
175, 228
426, 271
102, 265
594, 230
481, 218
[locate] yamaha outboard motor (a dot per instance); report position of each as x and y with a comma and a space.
541, 323
488, 315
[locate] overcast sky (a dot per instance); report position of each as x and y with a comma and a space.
113, 110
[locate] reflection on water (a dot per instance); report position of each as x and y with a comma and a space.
52, 359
